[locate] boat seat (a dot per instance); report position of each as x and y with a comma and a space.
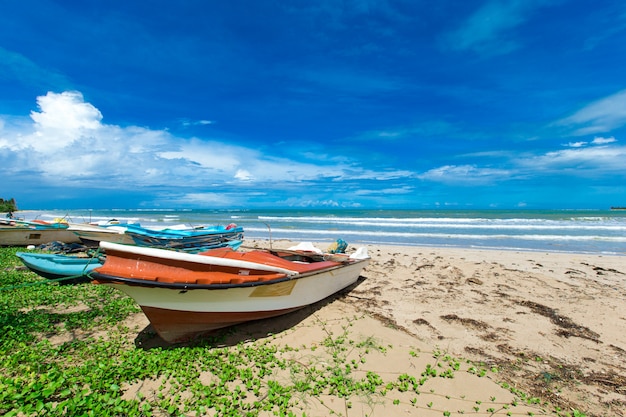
219, 278
267, 258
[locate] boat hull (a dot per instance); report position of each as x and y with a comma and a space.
13, 236
91, 235
178, 326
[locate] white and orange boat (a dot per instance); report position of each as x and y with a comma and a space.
185, 294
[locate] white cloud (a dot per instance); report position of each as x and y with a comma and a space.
603, 141
243, 175
205, 199
66, 111
465, 174
400, 190
597, 160
67, 142
299, 202
63, 119
600, 116
186, 122
581, 159
595, 141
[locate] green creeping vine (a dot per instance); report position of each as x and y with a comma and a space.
65, 350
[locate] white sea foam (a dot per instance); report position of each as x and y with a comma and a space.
460, 236
453, 223
567, 231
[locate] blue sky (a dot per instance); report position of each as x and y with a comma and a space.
371, 104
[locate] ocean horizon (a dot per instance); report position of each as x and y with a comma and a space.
576, 231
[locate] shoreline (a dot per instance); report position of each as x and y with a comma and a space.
562, 231
325, 243
554, 323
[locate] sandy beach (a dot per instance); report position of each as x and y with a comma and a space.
484, 332
553, 324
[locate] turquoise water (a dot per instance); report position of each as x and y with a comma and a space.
580, 231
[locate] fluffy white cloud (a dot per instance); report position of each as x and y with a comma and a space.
63, 119
67, 142
67, 111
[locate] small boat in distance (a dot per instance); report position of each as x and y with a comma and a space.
184, 295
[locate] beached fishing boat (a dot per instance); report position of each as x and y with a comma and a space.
180, 238
66, 269
92, 234
35, 232
186, 239
185, 294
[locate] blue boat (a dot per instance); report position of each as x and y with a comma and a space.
189, 239
65, 268
180, 238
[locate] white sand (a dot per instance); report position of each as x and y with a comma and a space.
553, 324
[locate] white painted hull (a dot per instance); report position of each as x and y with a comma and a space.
287, 294
179, 315
92, 235
13, 236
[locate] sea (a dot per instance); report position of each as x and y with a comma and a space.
568, 231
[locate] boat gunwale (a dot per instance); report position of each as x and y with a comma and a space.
190, 257
57, 258
101, 278
142, 282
